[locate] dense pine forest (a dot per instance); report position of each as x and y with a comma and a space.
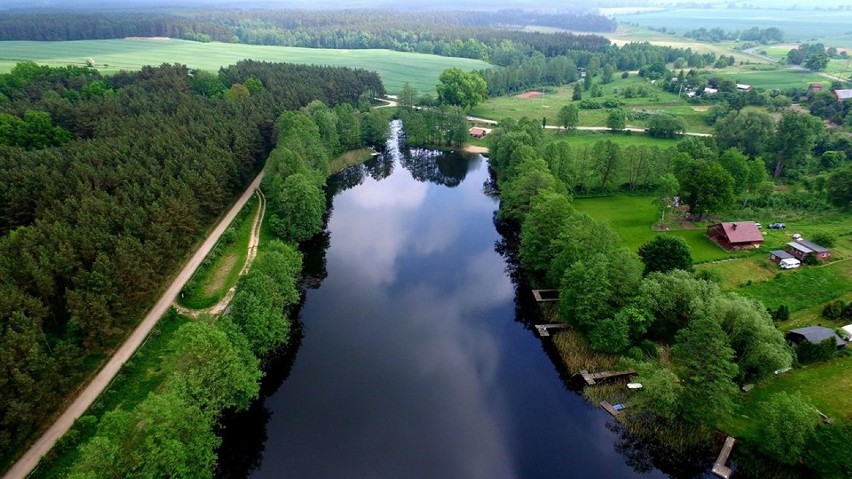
107, 184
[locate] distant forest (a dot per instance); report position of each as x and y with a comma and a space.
107, 184
455, 33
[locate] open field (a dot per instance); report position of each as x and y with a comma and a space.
631, 33
772, 76
221, 270
395, 68
807, 286
549, 104
632, 216
830, 27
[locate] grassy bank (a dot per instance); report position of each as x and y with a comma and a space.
395, 68
220, 270
349, 158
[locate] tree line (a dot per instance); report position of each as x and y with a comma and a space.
633, 305
92, 227
753, 34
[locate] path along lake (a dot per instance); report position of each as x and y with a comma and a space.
414, 360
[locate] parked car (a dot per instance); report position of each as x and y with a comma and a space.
777, 226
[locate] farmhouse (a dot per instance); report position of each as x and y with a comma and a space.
802, 248
814, 335
736, 235
478, 132
843, 94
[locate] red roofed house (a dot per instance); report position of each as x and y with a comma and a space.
736, 235
477, 132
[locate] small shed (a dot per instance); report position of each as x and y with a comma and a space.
478, 132
802, 248
814, 335
815, 87
778, 255
736, 235
843, 94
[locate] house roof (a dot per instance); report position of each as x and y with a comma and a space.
742, 232
781, 254
843, 94
813, 246
478, 131
743, 86
818, 334
799, 247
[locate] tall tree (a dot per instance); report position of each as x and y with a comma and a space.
460, 88
569, 116
795, 137
616, 120
706, 187
665, 253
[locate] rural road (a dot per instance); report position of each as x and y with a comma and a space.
580, 128
104, 377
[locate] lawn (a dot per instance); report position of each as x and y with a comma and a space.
395, 68
141, 375
632, 217
221, 269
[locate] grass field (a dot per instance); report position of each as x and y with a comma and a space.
831, 27
772, 76
221, 270
803, 288
549, 104
395, 68
632, 217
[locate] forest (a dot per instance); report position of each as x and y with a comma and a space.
96, 216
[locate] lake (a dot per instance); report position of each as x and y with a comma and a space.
416, 357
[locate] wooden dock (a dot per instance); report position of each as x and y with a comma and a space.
544, 329
593, 378
546, 295
610, 408
719, 467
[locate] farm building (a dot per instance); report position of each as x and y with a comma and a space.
814, 335
779, 254
736, 235
814, 87
802, 248
478, 132
843, 94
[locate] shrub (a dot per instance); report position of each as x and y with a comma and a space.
833, 310
811, 353
823, 239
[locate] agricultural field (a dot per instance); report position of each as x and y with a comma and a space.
548, 106
772, 76
801, 25
395, 68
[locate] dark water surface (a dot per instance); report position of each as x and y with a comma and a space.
412, 362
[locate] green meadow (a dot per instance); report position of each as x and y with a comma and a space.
395, 68
548, 106
631, 216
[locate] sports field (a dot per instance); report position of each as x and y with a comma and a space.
395, 68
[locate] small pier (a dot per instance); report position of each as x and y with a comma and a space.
545, 295
719, 467
593, 378
544, 329
614, 410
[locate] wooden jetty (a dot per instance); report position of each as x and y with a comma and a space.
543, 329
719, 467
593, 378
545, 295
610, 408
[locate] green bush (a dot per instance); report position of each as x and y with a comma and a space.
833, 310
811, 353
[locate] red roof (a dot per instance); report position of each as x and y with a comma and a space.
742, 232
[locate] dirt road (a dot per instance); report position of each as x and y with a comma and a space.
104, 377
254, 241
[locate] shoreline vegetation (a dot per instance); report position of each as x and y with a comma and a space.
692, 340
